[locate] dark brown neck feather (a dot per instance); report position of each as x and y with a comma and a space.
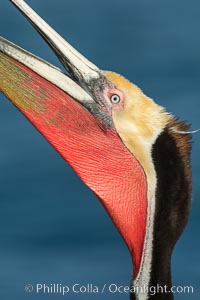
171, 157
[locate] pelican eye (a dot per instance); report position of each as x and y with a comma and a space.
115, 98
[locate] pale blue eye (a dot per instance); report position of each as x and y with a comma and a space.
115, 99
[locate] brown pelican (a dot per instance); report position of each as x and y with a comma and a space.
127, 149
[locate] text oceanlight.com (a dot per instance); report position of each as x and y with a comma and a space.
62, 289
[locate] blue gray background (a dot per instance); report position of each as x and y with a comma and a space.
52, 228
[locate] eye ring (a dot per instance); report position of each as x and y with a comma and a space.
115, 98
